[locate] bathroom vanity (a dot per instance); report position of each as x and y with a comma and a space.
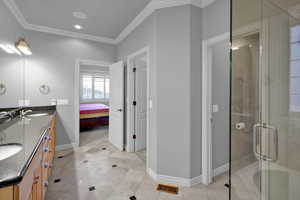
24, 175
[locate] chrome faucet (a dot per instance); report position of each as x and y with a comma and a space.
24, 112
4, 115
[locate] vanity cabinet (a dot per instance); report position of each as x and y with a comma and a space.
35, 181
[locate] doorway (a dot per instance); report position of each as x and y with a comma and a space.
138, 103
91, 83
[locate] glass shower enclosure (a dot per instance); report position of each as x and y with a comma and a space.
265, 100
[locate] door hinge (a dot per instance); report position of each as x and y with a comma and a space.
134, 136
134, 69
134, 103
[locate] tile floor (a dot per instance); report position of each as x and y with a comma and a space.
98, 171
142, 155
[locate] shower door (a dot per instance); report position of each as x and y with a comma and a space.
265, 101
278, 134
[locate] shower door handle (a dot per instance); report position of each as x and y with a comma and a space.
274, 131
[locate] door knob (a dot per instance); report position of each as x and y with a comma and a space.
120, 110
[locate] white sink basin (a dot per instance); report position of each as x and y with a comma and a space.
8, 150
37, 115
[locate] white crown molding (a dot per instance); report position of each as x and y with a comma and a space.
155, 5
21, 19
84, 36
15, 11
144, 14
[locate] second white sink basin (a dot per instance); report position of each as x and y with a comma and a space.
8, 150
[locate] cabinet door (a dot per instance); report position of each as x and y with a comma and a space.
33, 195
7, 193
30, 196
37, 184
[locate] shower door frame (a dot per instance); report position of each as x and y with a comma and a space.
207, 170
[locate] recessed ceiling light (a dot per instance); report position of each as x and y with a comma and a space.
79, 15
78, 27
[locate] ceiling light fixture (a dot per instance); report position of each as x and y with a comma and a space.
78, 27
23, 46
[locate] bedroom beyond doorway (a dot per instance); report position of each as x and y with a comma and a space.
93, 98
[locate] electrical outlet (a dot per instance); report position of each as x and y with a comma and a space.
53, 102
23, 102
62, 101
27, 102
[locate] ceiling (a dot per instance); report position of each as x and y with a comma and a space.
106, 18
108, 21
291, 6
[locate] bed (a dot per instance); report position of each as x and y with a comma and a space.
93, 116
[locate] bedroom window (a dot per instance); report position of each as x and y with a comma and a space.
94, 87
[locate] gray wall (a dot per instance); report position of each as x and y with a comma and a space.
173, 91
11, 65
53, 64
216, 18
196, 91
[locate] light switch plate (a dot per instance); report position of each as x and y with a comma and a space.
150, 104
215, 108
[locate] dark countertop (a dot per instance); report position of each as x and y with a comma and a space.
29, 132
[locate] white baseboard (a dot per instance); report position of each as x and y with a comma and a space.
184, 182
66, 146
196, 180
220, 170
151, 173
174, 180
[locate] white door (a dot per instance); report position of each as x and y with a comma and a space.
141, 108
116, 102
